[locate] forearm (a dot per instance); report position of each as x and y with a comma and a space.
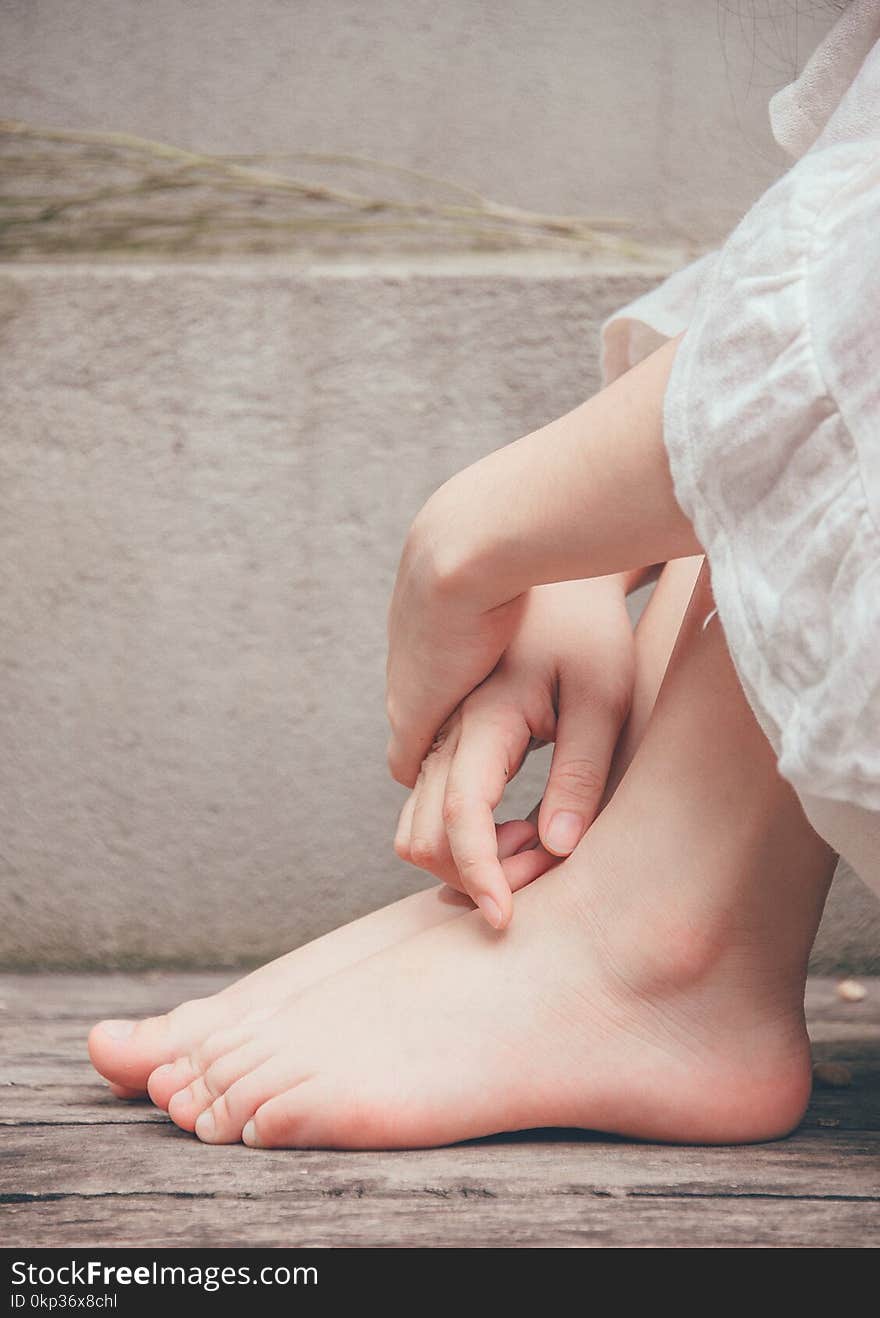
588, 495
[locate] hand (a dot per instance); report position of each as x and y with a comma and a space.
588, 495
442, 641
566, 676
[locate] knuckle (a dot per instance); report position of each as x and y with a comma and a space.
424, 851
490, 709
579, 779
394, 711
399, 767
470, 868
454, 808
213, 1080
402, 848
201, 1058
235, 1101
618, 699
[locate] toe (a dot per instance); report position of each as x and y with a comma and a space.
224, 1121
125, 1052
231, 1067
120, 1091
286, 1122
221, 1043
187, 1104
197, 1093
128, 1052
168, 1079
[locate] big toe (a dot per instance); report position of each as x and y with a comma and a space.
125, 1052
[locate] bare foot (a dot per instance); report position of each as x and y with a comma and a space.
652, 985
126, 1052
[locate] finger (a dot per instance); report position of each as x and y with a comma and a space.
514, 835
427, 682
523, 869
428, 844
404, 825
490, 750
511, 836
586, 734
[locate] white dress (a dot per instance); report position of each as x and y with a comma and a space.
772, 424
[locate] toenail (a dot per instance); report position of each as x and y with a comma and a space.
118, 1029
206, 1126
166, 1066
178, 1098
249, 1135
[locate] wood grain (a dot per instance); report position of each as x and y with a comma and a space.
79, 1168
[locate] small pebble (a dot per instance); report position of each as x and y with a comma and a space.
828, 1122
833, 1075
851, 990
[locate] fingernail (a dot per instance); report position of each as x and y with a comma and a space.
249, 1136
491, 910
564, 832
118, 1029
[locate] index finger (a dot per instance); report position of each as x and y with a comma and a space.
489, 752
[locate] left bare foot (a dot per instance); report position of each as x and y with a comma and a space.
460, 1032
125, 1052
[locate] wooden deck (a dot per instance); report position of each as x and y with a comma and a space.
78, 1168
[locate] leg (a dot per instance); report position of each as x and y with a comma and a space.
651, 985
127, 1052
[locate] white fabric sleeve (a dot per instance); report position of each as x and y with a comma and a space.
772, 424
640, 327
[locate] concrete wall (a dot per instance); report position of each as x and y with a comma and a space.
206, 471
652, 110
205, 476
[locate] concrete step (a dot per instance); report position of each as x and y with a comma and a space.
205, 478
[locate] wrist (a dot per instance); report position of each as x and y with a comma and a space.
589, 494
462, 527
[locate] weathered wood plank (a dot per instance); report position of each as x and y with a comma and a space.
70, 1176
465, 1220
70, 1105
159, 1158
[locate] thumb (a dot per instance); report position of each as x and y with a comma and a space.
586, 735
